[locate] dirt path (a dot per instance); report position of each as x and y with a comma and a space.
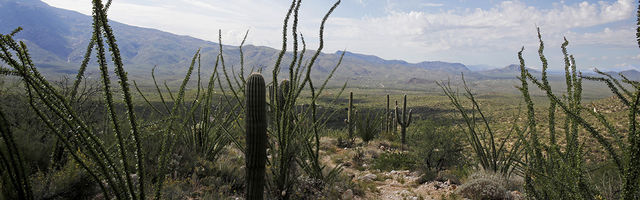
395, 184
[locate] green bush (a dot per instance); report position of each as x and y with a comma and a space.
486, 185
207, 180
368, 125
436, 147
70, 182
394, 161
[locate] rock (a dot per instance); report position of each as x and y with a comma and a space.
415, 174
347, 194
516, 195
368, 177
445, 176
407, 195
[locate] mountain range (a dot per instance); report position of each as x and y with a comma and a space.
57, 39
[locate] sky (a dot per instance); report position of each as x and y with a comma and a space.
473, 32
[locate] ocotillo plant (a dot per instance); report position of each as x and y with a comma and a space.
272, 96
559, 171
11, 163
111, 171
256, 136
350, 118
405, 121
198, 125
491, 154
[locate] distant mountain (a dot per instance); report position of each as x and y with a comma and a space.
512, 68
479, 67
631, 74
57, 40
443, 66
372, 59
509, 71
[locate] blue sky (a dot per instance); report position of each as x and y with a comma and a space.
473, 32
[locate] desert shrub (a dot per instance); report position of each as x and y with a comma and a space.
444, 176
208, 180
389, 136
344, 142
312, 188
368, 125
486, 185
394, 161
70, 182
436, 147
427, 176
608, 181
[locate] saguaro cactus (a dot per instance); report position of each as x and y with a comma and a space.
404, 122
256, 136
395, 119
350, 117
387, 125
283, 93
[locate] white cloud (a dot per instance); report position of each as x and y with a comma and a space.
417, 36
432, 4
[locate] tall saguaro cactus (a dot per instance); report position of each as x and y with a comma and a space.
387, 125
405, 121
395, 119
350, 117
256, 136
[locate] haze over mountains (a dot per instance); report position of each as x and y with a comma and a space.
57, 40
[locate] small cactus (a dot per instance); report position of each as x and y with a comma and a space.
350, 117
256, 136
405, 121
